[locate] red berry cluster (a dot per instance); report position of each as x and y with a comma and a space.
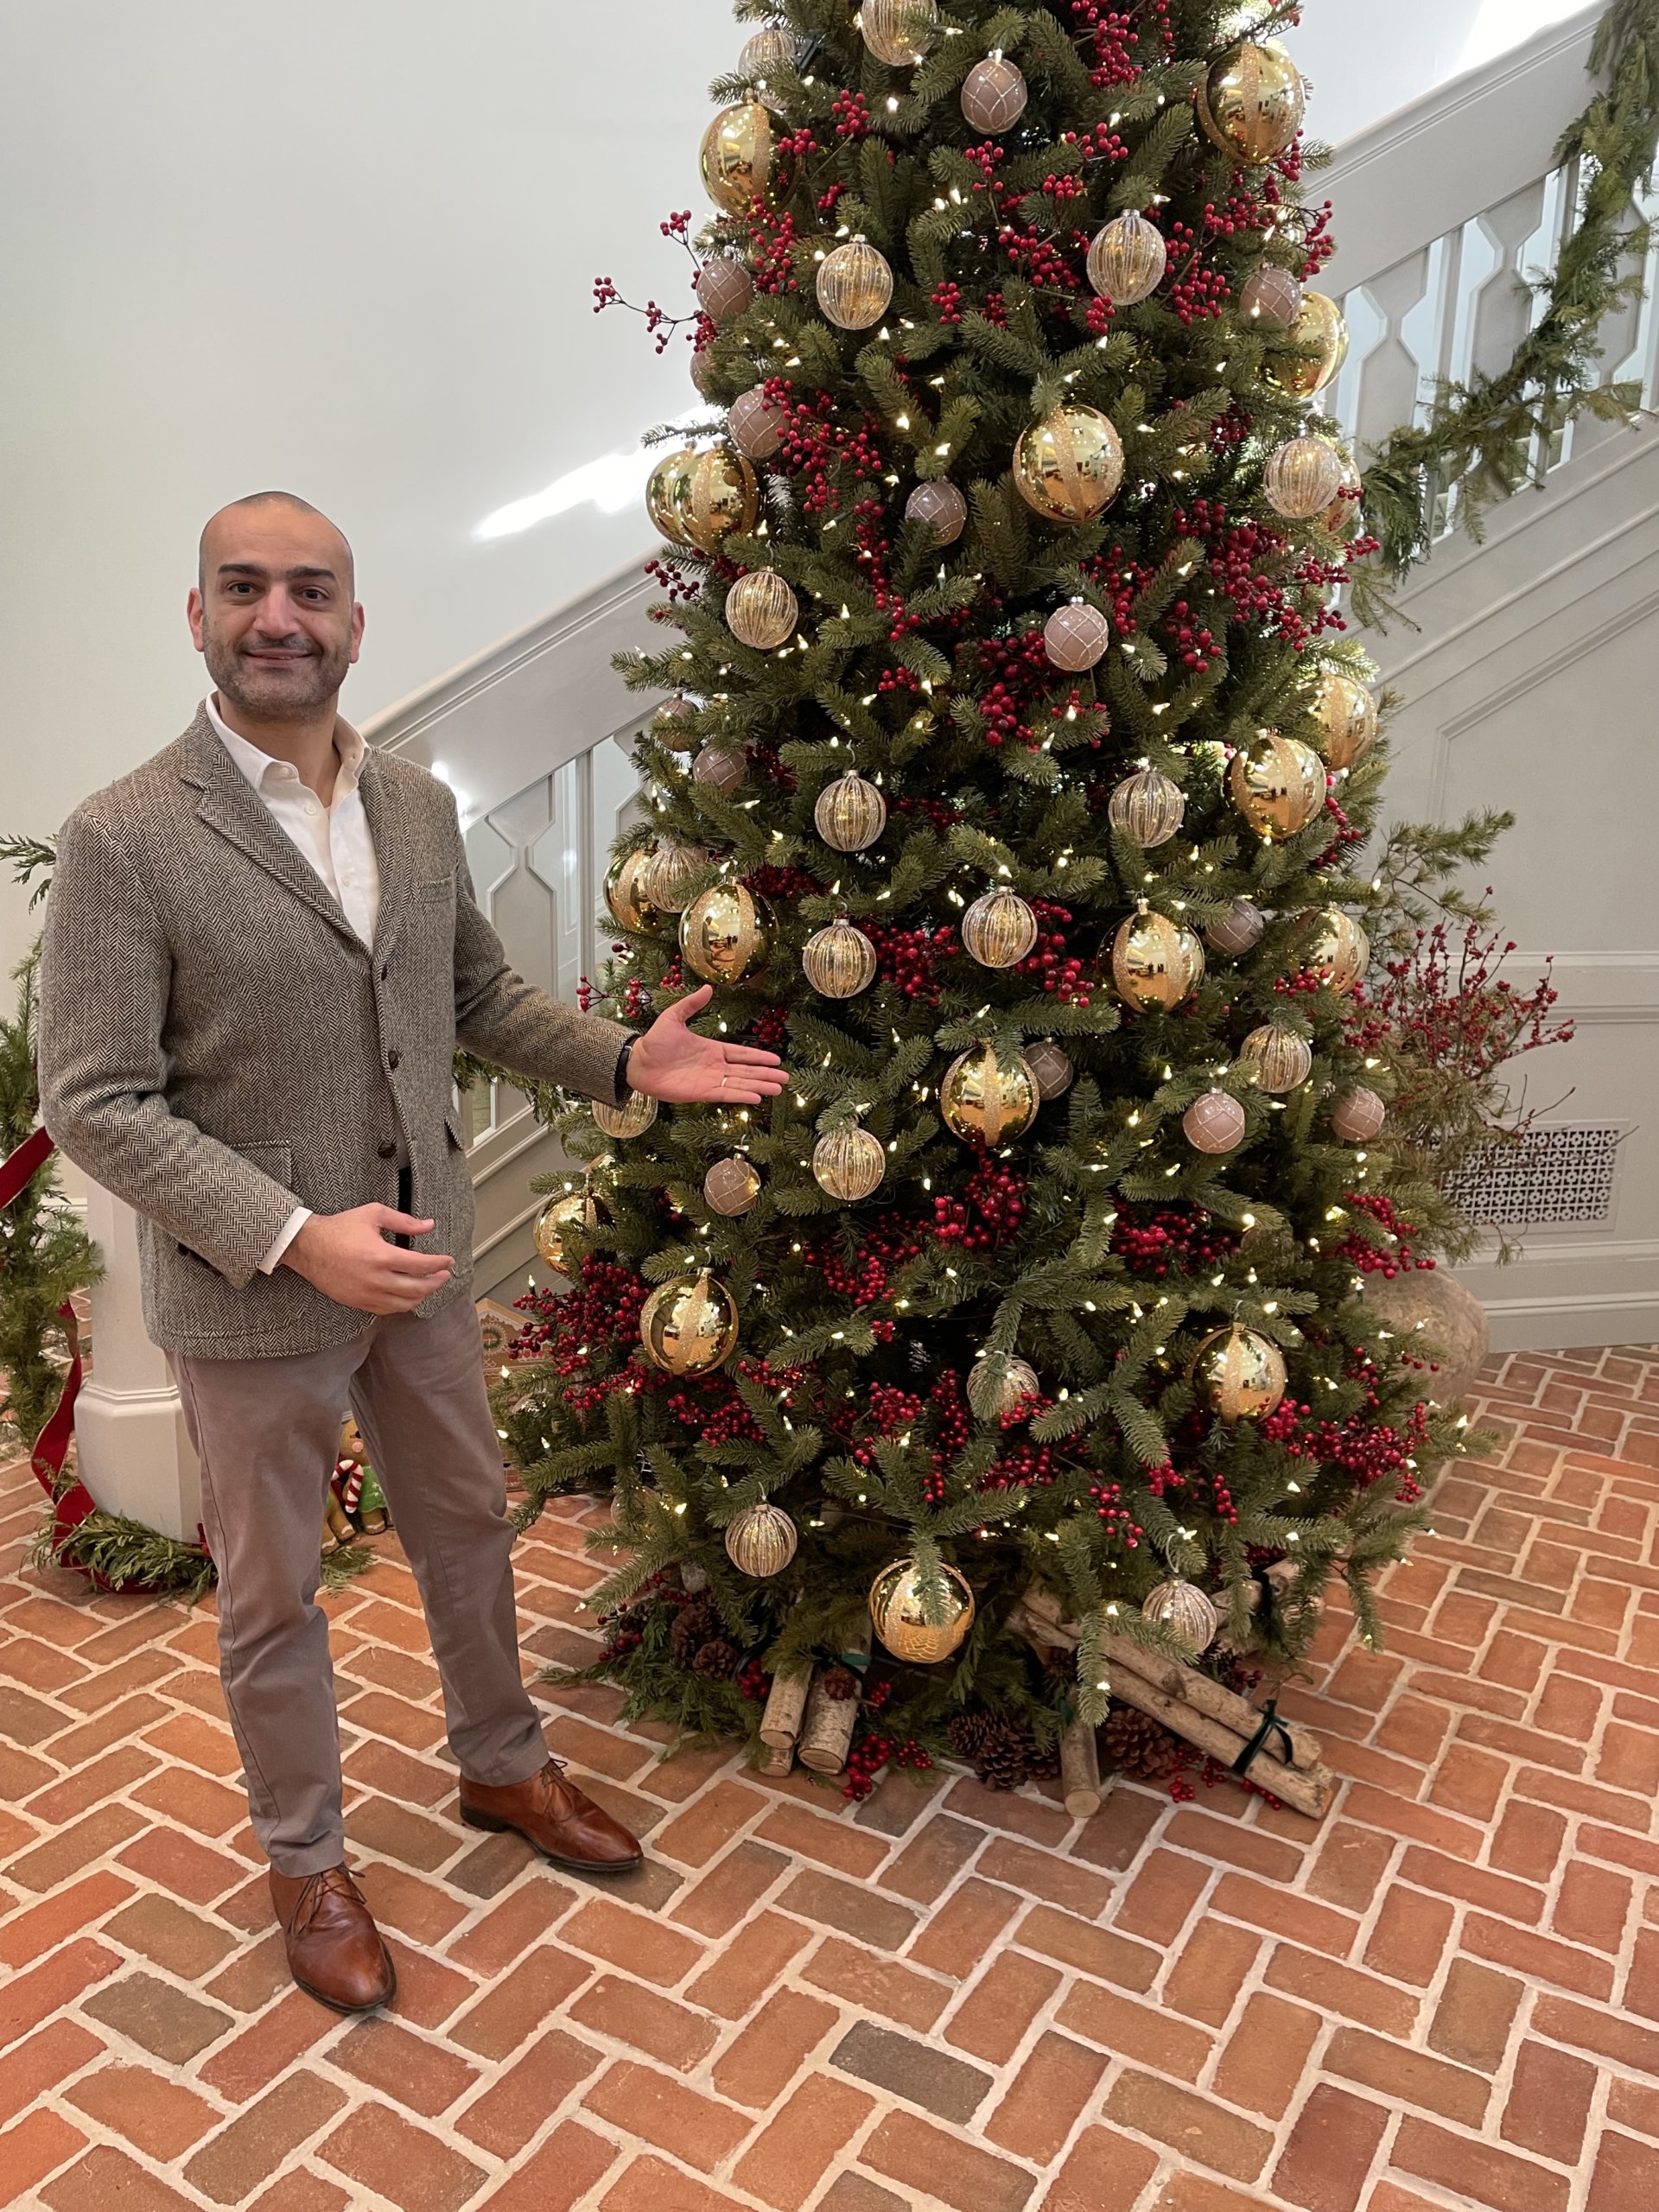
1121, 579
819, 450
1156, 1242
888, 1245
1195, 646
989, 1212
865, 1760
1120, 1522
945, 299
1198, 293
1354, 1247
938, 811
676, 586
1237, 554
716, 1413
753, 1681
911, 959
771, 253
852, 113
1111, 41
783, 883
1048, 962
1021, 671
1063, 188
1027, 1466
770, 1027
1100, 144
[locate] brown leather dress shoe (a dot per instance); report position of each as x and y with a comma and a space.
561, 1821
335, 1951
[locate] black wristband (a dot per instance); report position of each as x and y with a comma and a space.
622, 1072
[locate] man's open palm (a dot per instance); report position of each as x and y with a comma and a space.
671, 1062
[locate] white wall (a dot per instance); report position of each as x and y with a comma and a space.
1364, 59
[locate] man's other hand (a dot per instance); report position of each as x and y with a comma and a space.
347, 1257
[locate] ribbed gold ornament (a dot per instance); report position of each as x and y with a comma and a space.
763, 56
998, 1382
1238, 932
1347, 715
1274, 1058
1358, 1116
940, 505
854, 284
700, 498
1271, 296
999, 928
1341, 952
726, 933
848, 1164
761, 609
851, 813
732, 1185
1277, 784
1301, 478
762, 1539
1148, 806
1240, 1374
839, 960
569, 1210
1320, 338
1185, 1611
666, 879
725, 289
1157, 963
993, 95
987, 1098
1069, 467
1051, 1068
624, 894
1127, 259
736, 156
1076, 636
1214, 1123
1251, 103
757, 427
629, 1120
898, 32
689, 1326
900, 1613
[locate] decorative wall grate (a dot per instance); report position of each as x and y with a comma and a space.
1554, 1176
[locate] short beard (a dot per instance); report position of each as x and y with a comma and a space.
292, 695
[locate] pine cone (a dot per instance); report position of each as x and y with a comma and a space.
1005, 1761
716, 1661
967, 1734
693, 1625
1137, 1744
840, 1683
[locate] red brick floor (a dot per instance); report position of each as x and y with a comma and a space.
1447, 1996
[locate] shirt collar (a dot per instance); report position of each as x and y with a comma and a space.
257, 765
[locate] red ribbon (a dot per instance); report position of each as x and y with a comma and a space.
52, 1444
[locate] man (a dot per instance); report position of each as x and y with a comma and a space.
260, 950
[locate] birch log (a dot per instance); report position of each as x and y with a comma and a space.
780, 1724
1080, 1770
1306, 1792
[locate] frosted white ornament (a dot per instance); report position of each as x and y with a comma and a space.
993, 95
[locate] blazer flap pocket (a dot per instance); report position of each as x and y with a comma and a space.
275, 1161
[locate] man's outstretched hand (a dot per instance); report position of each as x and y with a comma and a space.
671, 1062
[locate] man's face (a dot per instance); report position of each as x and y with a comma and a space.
273, 615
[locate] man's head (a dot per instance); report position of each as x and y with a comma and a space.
273, 611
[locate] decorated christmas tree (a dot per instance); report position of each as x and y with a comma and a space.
1012, 784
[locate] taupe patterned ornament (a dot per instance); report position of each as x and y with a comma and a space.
701, 498
1251, 103
851, 813
899, 1611
720, 767
1358, 1116
762, 1541
1185, 1611
1316, 348
757, 428
993, 95
1157, 963
940, 505
1050, 1067
1276, 1059
1238, 932
855, 285
1214, 1123
848, 1164
725, 289
1271, 296
1240, 1374
1278, 784
1148, 806
726, 933
761, 609
735, 158
688, 1325
1127, 259
629, 1120
1076, 636
898, 32
1301, 478
673, 724
1069, 467
732, 1185
839, 960
999, 928
1341, 952
987, 1098
1347, 716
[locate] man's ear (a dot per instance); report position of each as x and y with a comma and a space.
356, 628
194, 611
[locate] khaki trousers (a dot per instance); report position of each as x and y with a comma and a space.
267, 1433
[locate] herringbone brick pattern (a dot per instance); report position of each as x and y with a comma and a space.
1447, 1995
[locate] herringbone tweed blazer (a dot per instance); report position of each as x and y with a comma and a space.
219, 1046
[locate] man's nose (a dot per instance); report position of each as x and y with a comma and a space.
276, 617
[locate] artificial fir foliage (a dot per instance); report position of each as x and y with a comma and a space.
989, 1360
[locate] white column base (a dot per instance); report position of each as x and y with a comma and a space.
132, 1447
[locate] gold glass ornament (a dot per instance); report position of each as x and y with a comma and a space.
1358, 1116
1075, 637
900, 1616
1052, 1069
1069, 467
850, 814
1214, 1123
1319, 337
689, 1326
757, 428
1302, 478
629, 1119
998, 1382
724, 289
761, 610
1251, 103
1146, 806
569, 1210
1347, 715
1342, 518
700, 498
839, 962
993, 95
624, 894
940, 505
1156, 964
1341, 952
736, 156
720, 768
1238, 932
666, 879
1185, 1611
1277, 784
1272, 297
1240, 1374
854, 284
763, 56
1127, 259
898, 32
732, 1185
987, 1100
999, 928
1274, 1058
848, 1164
674, 724
726, 933
762, 1541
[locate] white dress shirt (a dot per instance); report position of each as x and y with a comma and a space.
333, 840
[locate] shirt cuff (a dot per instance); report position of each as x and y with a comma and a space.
622, 1091
290, 1229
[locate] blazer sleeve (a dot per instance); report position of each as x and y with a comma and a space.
502, 1018
105, 975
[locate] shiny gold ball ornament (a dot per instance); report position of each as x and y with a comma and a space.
1127, 259
1271, 296
900, 1611
674, 724
1347, 716
1051, 1068
1240, 1374
572, 1209
1320, 338
1250, 104
851, 813
1077, 636
988, 1099
1214, 1123
1156, 964
736, 156
732, 1185
1301, 478
898, 32
848, 1164
762, 1541
726, 933
629, 1119
1069, 467
767, 52
839, 960
1148, 806
724, 289
1185, 1611
940, 505
1276, 1059
1358, 1116
1277, 784
700, 498
1238, 932
688, 1325
854, 284
761, 610
624, 894
993, 95
666, 879
1000, 1382
720, 767
756, 426
999, 928
1340, 953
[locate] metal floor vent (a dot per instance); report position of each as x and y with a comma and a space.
1553, 1176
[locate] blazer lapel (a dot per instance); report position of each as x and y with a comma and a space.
391, 847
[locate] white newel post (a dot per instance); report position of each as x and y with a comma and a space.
130, 1443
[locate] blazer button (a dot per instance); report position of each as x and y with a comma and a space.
392, 1058
386, 969
388, 1151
